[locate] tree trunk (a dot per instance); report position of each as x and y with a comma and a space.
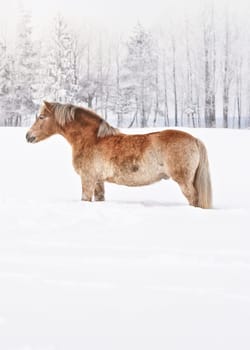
226, 76
166, 116
156, 109
210, 70
90, 101
174, 82
189, 98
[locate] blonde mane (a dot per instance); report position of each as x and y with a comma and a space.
65, 113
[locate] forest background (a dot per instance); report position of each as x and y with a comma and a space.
188, 66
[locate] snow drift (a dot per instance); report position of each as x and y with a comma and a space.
142, 270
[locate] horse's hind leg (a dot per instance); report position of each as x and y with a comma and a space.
190, 193
99, 191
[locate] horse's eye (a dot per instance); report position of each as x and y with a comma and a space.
41, 117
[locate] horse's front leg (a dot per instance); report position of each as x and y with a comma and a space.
99, 191
88, 187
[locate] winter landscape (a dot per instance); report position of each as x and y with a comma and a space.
142, 270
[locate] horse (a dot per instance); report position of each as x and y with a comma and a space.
103, 153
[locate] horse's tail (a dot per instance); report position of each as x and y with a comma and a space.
202, 180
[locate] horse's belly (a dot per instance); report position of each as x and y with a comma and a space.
137, 177
136, 181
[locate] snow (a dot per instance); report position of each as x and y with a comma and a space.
142, 270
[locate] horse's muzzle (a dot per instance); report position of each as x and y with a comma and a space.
30, 138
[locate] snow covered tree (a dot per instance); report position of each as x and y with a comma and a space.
5, 84
119, 94
88, 77
96, 74
227, 71
174, 79
209, 67
104, 71
165, 89
63, 64
139, 73
191, 106
239, 88
25, 69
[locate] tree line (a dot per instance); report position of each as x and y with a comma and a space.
188, 73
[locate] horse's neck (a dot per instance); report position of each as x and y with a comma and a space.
77, 135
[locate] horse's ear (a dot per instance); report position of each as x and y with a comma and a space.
48, 106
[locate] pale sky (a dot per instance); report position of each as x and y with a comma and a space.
114, 13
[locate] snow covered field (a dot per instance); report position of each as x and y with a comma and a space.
141, 271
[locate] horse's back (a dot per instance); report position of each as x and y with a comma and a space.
174, 136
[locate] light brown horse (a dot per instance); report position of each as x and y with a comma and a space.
102, 153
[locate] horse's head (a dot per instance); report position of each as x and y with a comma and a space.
44, 126
68, 120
